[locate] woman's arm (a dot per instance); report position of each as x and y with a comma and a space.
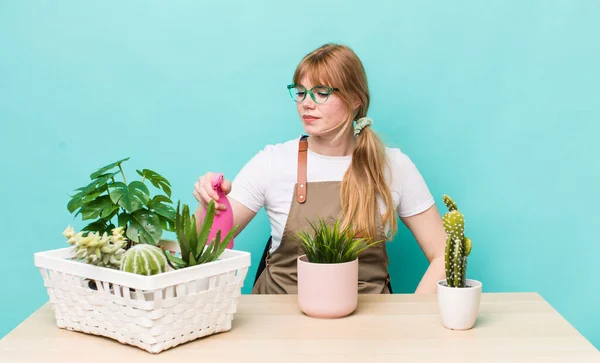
428, 230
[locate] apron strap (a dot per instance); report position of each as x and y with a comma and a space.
301, 182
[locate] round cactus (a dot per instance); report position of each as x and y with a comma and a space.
143, 259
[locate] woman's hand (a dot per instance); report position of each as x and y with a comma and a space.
204, 192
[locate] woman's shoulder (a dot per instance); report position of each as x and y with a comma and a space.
282, 146
279, 150
402, 169
407, 184
396, 158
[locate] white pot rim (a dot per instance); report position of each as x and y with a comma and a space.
474, 284
304, 260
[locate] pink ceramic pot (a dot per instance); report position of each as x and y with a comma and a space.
327, 290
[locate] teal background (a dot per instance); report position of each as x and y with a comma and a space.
496, 102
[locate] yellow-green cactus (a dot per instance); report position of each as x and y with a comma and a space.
458, 246
95, 249
144, 259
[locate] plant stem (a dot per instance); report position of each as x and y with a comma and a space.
123, 174
108, 187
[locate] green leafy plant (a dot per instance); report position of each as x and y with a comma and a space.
106, 199
331, 244
193, 243
458, 247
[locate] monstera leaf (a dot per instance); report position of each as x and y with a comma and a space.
106, 168
161, 205
130, 197
90, 192
102, 207
144, 227
156, 179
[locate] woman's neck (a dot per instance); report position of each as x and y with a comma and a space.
327, 146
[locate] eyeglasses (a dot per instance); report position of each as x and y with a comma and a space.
319, 94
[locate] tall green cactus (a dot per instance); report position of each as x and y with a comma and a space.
458, 246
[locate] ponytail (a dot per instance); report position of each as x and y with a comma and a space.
364, 182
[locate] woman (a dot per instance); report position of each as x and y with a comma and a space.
340, 170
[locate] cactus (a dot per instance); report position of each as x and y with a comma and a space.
144, 259
458, 247
95, 249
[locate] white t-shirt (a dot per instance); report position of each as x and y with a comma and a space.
268, 179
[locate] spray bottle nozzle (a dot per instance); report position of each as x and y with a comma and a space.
217, 181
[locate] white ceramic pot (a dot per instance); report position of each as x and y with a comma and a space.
327, 290
459, 306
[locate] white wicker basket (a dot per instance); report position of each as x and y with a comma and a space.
153, 313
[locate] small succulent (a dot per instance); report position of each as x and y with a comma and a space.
331, 244
458, 247
144, 259
95, 249
195, 248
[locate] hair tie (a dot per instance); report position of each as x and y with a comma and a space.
361, 123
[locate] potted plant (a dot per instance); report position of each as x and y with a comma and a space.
328, 270
141, 281
458, 297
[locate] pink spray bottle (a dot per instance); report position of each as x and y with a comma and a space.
224, 220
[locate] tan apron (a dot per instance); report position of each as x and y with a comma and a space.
314, 200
